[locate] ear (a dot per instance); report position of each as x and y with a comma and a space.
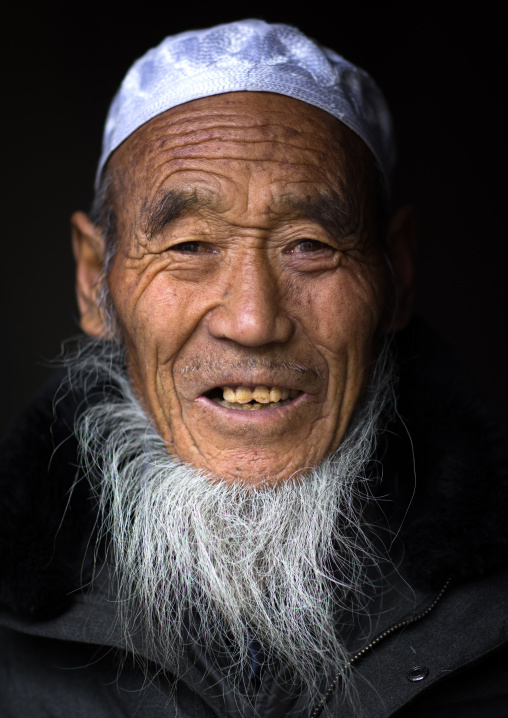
89, 253
402, 238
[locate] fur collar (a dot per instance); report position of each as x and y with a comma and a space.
456, 522
455, 525
45, 529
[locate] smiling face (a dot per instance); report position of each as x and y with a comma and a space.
248, 280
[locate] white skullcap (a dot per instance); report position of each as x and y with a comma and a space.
254, 56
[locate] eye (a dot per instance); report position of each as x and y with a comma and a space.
311, 255
187, 247
309, 245
193, 248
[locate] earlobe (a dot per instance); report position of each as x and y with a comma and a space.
89, 253
402, 242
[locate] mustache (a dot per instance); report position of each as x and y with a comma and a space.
214, 370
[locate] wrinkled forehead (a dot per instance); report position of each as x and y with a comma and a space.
233, 134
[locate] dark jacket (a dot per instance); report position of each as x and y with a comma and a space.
439, 648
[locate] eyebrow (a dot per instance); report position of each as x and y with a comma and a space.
170, 206
333, 212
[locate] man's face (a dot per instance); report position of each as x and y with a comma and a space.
247, 257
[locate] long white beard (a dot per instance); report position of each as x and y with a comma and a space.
221, 564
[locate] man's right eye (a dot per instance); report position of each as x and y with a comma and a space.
194, 248
187, 247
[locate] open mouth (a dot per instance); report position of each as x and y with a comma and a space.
246, 399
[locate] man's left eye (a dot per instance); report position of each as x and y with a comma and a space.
309, 245
193, 248
187, 247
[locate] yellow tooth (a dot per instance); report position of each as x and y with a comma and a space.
275, 393
243, 395
229, 393
261, 394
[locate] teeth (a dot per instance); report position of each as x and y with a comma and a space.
243, 395
275, 393
229, 393
262, 394
262, 397
248, 407
284, 394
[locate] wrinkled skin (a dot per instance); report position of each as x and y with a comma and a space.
249, 283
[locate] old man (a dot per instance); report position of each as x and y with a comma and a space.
259, 488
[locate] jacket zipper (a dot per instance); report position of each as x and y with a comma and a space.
389, 631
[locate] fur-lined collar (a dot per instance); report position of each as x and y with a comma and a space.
455, 524
45, 528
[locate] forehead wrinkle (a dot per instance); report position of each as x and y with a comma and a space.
234, 142
312, 166
251, 151
231, 124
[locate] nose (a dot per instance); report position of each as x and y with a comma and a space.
251, 311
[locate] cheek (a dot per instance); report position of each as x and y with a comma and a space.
344, 324
341, 312
155, 319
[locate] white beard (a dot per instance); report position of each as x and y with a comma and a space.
283, 565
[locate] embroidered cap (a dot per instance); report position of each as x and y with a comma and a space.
255, 56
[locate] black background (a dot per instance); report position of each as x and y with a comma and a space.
442, 71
